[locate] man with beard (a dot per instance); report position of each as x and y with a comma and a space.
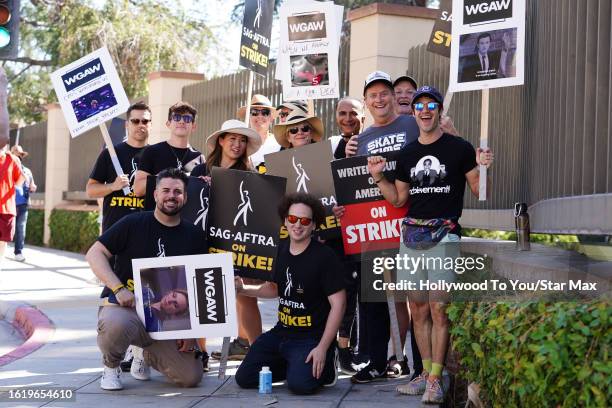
144, 235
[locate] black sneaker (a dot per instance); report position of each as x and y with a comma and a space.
367, 375
396, 369
332, 377
203, 355
237, 351
345, 356
126, 363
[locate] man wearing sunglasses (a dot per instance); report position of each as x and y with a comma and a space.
176, 152
308, 282
432, 172
105, 183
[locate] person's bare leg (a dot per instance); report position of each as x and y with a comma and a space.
202, 344
249, 318
422, 322
439, 337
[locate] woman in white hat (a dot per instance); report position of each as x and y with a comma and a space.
230, 148
298, 130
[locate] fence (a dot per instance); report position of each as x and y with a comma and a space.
552, 137
33, 139
218, 99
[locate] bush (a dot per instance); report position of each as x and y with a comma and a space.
538, 354
73, 231
35, 227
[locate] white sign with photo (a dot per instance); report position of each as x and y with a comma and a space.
309, 47
488, 47
89, 91
184, 297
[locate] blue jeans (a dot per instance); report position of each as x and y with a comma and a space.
286, 358
20, 227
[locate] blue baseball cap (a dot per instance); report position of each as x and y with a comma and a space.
428, 91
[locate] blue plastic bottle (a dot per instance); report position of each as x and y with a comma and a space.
265, 380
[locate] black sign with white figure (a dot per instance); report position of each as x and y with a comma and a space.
243, 219
256, 32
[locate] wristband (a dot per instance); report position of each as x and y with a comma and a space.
116, 289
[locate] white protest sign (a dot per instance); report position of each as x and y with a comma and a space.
488, 47
309, 47
89, 91
183, 297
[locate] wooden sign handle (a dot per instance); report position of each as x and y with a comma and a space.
113, 155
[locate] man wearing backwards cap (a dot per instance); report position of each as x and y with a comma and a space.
432, 171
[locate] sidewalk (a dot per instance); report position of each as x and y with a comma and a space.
61, 286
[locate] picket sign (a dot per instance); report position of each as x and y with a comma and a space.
311, 110
113, 154
484, 141
223, 361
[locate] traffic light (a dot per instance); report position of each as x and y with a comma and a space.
9, 28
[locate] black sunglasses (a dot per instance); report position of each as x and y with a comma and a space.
186, 118
257, 112
305, 128
139, 121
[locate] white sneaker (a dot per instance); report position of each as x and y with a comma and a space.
111, 379
140, 370
19, 258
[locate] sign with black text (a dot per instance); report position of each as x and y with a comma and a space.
488, 47
440, 39
307, 170
370, 223
89, 91
181, 297
256, 32
243, 219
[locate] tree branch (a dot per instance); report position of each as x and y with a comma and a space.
31, 61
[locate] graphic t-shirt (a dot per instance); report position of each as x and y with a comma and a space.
10, 172
161, 156
389, 138
117, 205
436, 174
304, 283
140, 235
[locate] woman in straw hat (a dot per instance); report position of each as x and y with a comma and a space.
230, 148
298, 130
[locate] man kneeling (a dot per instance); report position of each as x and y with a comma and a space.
308, 282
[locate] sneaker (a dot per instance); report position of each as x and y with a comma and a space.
345, 357
19, 258
111, 379
332, 377
237, 351
126, 364
396, 369
140, 370
434, 393
367, 374
416, 386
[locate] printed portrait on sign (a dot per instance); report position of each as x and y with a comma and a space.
94, 102
487, 55
427, 172
165, 298
309, 70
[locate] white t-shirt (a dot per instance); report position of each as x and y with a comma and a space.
269, 146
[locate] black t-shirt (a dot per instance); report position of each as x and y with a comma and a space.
161, 156
142, 236
116, 205
436, 174
339, 153
200, 170
304, 283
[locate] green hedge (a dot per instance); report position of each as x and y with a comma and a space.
73, 231
538, 354
35, 227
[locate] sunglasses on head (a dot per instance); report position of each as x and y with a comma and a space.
305, 128
419, 106
186, 118
305, 221
139, 121
257, 112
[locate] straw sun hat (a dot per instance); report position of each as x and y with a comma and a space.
298, 116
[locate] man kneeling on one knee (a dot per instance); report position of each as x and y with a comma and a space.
308, 281
144, 235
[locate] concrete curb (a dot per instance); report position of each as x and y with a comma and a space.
34, 326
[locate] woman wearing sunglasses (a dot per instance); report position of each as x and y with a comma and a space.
299, 129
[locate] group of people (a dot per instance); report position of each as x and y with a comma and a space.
16, 184
317, 285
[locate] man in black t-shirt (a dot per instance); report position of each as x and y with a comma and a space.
308, 281
104, 182
176, 152
432, 172
144, 235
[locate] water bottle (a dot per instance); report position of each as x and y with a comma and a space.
521, 223
265, 380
